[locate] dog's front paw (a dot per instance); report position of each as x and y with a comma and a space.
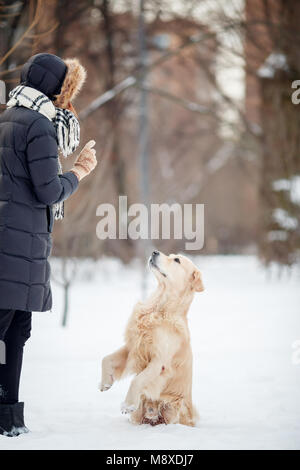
125, 408
107, 382
104, 387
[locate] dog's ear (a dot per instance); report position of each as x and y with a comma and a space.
197, 284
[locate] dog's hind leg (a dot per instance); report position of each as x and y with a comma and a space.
113, 366
148, 412
188, 414
170, 407
165, 410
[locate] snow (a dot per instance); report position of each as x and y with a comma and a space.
275, 61
284, 219
281, 185
291, 185
244, 328
295, 190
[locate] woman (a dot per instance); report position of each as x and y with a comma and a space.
40, 119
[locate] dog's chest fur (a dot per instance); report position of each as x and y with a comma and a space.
141, 332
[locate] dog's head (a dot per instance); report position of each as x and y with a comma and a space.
176, 272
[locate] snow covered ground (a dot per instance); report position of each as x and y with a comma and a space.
246, 386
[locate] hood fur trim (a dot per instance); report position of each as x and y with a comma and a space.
72, 84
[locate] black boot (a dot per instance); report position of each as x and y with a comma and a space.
12, 420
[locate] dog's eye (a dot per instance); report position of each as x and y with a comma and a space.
177, 260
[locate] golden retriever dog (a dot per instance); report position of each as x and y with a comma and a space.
157, 347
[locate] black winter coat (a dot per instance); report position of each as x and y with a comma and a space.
29, 185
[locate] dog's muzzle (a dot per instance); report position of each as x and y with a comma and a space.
153, 263
153, 258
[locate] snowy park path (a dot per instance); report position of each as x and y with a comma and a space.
246, 387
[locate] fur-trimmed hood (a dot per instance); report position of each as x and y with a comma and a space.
61, 80
72, 84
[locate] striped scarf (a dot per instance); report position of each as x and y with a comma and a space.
65, 122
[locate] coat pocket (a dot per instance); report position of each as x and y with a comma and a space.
50, 218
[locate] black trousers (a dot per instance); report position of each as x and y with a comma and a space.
15, 327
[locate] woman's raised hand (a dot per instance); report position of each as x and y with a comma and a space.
86, 161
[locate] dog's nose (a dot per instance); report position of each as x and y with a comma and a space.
155, 253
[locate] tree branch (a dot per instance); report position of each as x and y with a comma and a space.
25, 34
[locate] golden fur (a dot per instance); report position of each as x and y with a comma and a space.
157, 347
73, 82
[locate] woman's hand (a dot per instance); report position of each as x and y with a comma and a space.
86, 161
